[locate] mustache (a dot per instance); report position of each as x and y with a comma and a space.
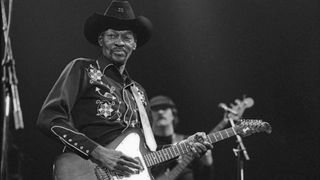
119, 49
159, 118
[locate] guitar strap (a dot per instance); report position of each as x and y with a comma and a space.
147, 131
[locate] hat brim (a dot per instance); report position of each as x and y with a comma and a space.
96, 24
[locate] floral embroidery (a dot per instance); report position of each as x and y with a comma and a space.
106, 94
104, 109
109, 105
94, 74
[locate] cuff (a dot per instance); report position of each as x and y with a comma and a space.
74, 140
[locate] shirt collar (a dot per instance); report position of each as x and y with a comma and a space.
111, 70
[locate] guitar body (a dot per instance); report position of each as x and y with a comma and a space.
70, 166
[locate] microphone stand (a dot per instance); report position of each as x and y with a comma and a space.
241, 154
10, 90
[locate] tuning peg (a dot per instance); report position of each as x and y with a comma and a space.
248, 102
237, 101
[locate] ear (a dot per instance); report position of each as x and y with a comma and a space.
100, 41
134, 46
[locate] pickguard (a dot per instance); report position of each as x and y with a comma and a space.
130, 146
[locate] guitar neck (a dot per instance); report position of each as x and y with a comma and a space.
186, 160
181, 148
166, 154
221, 135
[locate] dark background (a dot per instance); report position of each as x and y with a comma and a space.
202, 52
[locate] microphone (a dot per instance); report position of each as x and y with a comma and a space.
225, 107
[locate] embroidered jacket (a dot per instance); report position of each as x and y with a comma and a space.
90, 103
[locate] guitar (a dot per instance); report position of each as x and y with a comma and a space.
239, 108
70, 166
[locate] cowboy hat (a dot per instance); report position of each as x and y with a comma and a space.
119, 16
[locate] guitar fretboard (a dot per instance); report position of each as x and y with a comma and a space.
181, 148
166, 154
221, 135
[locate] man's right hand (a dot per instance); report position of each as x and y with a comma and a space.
116, 161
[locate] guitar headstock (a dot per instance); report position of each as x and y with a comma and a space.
247, 127
239, 107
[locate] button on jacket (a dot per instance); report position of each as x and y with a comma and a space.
90, 103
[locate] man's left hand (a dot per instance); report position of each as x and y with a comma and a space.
199, 144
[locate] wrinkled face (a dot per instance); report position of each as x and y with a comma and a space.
162, 116
117, 45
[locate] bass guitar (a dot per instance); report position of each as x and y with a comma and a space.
239, 108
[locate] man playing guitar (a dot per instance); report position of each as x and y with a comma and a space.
94, 103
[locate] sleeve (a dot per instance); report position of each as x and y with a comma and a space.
55, 115
201, 169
